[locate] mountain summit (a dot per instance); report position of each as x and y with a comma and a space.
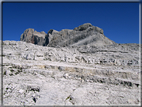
85, 34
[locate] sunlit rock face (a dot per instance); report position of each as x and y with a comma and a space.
85, 34
32, 36
70, 69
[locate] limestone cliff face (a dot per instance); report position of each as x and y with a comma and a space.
85, 34
32, 36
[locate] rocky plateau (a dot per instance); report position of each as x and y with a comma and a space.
70, 67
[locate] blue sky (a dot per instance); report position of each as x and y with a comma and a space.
120, 21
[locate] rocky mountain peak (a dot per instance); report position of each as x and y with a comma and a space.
88, 26
51, 31
83, 27
42, 32
85, 34
29, 30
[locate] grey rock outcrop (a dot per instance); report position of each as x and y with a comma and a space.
32, 36
86, 26
85, 34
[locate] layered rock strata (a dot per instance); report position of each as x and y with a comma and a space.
81, 75
70, 67
85, 34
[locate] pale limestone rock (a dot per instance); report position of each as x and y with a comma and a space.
88, 74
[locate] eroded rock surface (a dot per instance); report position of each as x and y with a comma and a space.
32, 36
85, 34
73, 75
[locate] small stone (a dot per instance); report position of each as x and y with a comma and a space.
21, 91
